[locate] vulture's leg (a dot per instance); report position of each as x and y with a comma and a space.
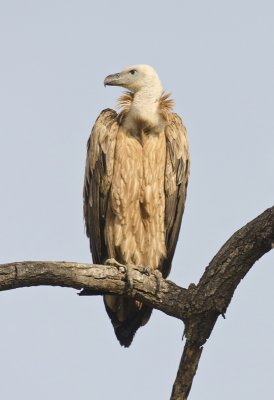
129, 276
128, 270
157, 274
159, 277
114, 263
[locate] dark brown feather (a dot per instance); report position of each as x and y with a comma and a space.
176, 180
96, 185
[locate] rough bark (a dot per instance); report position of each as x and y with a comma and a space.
198, 306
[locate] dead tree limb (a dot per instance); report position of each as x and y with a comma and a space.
198, 306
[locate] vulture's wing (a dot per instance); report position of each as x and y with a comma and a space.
98, 177
176, 179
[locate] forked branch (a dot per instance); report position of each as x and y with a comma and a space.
198, 306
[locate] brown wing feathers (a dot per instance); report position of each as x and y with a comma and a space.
98, 176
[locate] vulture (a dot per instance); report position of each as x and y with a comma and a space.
135, 185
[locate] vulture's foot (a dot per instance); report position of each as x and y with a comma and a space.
129, 276
158, 276
114, 263
126, 268
147, 270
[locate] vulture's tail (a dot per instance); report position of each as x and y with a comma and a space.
127, 316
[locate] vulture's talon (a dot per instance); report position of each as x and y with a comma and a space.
146, 270
129, 277
126, 268
159, 277
113, 263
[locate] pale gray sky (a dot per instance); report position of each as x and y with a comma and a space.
217, 58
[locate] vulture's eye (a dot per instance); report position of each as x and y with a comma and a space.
132, 71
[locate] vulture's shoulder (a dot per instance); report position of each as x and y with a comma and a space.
103, 135
178, 160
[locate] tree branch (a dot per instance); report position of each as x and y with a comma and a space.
98, 279
212, 295
198, 306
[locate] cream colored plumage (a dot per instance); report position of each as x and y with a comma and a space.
135, 186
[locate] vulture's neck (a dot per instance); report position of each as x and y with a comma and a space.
144, 109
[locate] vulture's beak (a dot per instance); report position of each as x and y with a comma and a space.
113, 80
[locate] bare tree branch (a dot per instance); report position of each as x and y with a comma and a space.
98, 279
212, 295
198, 306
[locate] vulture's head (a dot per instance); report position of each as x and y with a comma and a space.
135, 78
